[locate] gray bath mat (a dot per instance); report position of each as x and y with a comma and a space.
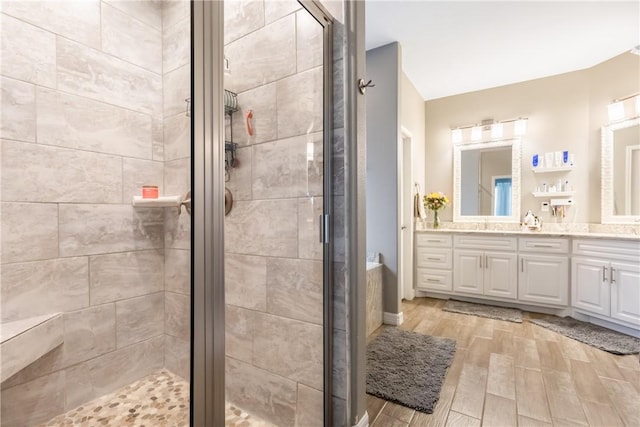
408, 368
588, 333
483, 310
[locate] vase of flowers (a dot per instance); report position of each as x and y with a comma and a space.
436, 201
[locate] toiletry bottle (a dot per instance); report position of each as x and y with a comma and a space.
559, 185
544, 187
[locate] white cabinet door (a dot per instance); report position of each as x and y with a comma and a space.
544, 279
500, 274
625, 292
467, 272
590, 289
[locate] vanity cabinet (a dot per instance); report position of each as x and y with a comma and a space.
433, 262
480, 268
606, 280
543, 275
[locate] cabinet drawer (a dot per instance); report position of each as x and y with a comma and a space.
433, 258
433, 280
433, 240
615, 249
543, 244
502, 243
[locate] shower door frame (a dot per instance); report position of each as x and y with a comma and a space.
207, 220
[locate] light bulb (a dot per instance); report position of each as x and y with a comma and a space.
520, 127
456, 135
616, 111
497, 130
476, 133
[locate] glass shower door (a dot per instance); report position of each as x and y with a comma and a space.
95, 276
276, 281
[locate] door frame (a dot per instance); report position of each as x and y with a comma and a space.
405, 215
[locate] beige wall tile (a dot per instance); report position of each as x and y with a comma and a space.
263, 227
239, 330
33, 402
176, 43
111, 371
176, 88
147, 11
299, 103
24, 348
173, 11
157, 137
340, 367
276, 9
130, 39
264, 56
309, 41
294, 289
289, 348
88, 333
98, 229
29, 52
177, 271
59, 175
114, 277
309, 211
136, 173
44, 287
309, 412
262, 101
177, 356
246, 281
177, 315
177, 177
29, 231
77, 20
77, 122
281, 169
139, 318
177, 137
240, 181
269, 396
96, 75
18, 112
177, 229
241, 17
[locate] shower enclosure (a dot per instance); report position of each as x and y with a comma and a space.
103, 97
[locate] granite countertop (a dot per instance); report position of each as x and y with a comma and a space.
538, 233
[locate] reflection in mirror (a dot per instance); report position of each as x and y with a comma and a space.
487, 181
621, 172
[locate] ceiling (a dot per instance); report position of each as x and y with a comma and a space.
453, 47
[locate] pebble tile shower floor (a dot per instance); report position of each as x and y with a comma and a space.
158, 400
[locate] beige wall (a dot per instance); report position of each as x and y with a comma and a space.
565, 113
412, 110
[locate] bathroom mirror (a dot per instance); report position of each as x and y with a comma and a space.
486, 181
620, 200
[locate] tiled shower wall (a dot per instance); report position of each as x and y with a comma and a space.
84, 118
273, 265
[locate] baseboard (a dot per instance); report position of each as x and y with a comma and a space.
393, 318
364, 421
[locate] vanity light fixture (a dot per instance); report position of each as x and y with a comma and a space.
497, 129
520, 127
638, 105
616, 111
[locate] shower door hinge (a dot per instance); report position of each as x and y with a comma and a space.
323, 220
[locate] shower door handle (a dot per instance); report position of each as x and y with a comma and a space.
323, 221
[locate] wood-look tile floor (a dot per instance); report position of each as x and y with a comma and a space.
516, 374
